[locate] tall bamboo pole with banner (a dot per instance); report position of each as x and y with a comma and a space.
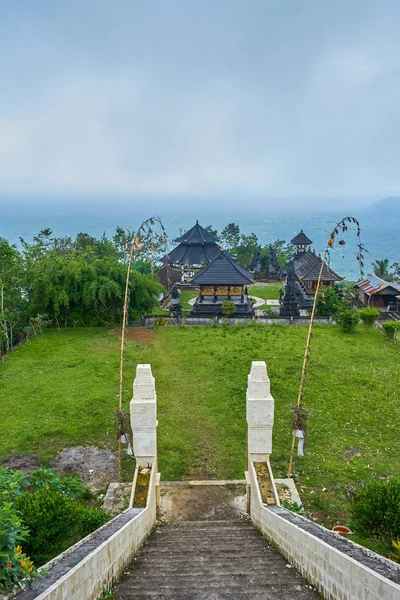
340, 227
150, 231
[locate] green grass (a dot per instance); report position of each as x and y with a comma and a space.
266, 292
187, 295
160, 312
61, 389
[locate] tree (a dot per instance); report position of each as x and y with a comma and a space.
382, 269
284, 252
396, 271
123, 239
246, 250
330, 302
85, 286
230, 235
210, 229
12, 302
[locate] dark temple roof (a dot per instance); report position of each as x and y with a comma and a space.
193, 254
308, 265
301, 239
196, 247
197, 235
222, 271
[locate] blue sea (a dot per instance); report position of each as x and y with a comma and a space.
380, 225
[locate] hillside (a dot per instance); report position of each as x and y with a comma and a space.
386, 211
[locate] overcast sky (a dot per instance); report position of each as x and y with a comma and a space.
248, 98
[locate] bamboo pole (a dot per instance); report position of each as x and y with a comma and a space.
306, 355
145, 226
121, 364
343, 226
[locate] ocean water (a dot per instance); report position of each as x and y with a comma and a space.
380, 225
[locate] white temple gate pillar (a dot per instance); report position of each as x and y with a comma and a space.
143, 414
259, 413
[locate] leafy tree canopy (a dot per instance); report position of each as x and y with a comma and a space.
230, 235
384, 270
73, 282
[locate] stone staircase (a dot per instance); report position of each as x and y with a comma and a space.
211, 560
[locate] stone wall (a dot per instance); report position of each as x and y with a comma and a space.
335, 574
149, 321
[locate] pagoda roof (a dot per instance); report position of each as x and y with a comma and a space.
301, 239
307, 267
197, 235
223, 270
193, 254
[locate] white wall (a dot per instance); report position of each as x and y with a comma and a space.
102, 567
336, 575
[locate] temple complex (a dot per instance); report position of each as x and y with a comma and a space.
196, 248
223, 279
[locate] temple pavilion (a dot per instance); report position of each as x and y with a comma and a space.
307, 266
223, 279
196, 248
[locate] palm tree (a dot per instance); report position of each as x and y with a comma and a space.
381, 268
396, 271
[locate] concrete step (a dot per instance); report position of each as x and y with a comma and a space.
201, 566
274, 593
210, 560
230, 580
196, 545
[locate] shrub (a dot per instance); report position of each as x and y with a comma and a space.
330, 302
376, 509
228, 308
348, 320
15, 566
392, 329
46, 479
368, 315
14, 484
55, 522
161, 322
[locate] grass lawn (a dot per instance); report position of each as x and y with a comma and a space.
187, 295
61, 389
266, 292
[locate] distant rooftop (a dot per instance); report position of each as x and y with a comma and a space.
374, 284
301, 239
